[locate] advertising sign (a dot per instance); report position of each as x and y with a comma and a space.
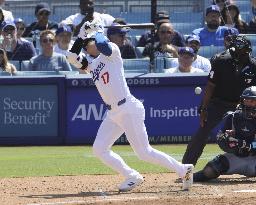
171, 111
28, 110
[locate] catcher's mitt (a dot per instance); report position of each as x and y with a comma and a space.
230, 144
227, 142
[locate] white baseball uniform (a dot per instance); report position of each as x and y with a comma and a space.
127, 114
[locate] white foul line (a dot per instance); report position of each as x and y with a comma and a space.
245, 191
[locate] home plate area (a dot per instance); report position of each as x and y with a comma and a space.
157, 189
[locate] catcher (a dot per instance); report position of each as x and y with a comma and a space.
237, 139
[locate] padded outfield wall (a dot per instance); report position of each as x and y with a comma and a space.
68, 110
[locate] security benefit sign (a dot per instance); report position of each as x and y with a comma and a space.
28, 110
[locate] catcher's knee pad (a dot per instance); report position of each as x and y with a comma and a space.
216, 167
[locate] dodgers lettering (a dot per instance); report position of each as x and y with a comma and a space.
96, 73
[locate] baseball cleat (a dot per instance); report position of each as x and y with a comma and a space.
131, 183
187, 180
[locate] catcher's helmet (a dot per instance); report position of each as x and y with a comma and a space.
240, 46
249, 93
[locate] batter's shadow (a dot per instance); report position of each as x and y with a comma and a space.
82, 194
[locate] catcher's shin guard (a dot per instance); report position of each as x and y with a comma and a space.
213, 169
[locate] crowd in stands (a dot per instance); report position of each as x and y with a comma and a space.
44, 43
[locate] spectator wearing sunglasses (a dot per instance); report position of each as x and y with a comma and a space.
20, 26
149, 36
42, 13
14, 47
164, 47
48, 60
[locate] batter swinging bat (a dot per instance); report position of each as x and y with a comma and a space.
135, 26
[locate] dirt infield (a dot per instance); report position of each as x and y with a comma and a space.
157, 189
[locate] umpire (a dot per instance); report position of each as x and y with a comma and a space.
232, 71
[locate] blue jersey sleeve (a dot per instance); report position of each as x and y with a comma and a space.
102, 44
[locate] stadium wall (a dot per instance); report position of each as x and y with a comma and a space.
65, 110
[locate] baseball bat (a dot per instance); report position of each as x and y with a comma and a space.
135, 26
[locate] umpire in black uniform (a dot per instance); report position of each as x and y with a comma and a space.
232, 71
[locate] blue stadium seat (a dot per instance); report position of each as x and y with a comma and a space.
16, 64
24, 65
169, 62
4, 73
159, 64
162, 63
136, 65
136, 17
186, 28
181, 17
139, 51
209, 51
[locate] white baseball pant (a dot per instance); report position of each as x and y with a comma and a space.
129, 118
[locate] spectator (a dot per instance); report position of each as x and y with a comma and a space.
161, 17
228, 37
42, 13
231, 18
222, 3
252, 23
118, 36
15, 48
64, 40
21, 26
87, 13
200, 62
7, 14
48, 60
186, 58
164, 47
4, 63
212, 33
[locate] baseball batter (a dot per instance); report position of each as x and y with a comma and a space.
125, 112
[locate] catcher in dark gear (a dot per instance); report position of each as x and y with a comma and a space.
237, 139
232, 71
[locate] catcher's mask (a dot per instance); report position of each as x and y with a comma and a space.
248, 102
240, 47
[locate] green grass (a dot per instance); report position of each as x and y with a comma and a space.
79, 160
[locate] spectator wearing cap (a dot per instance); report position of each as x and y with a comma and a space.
186, 58
48, 60
118, 36
14, 47
232, 19
164, 47
8, 16
177, 38
42, 13
200, 62
64, 41
87, 13
20, 26
228, 36
212, 33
